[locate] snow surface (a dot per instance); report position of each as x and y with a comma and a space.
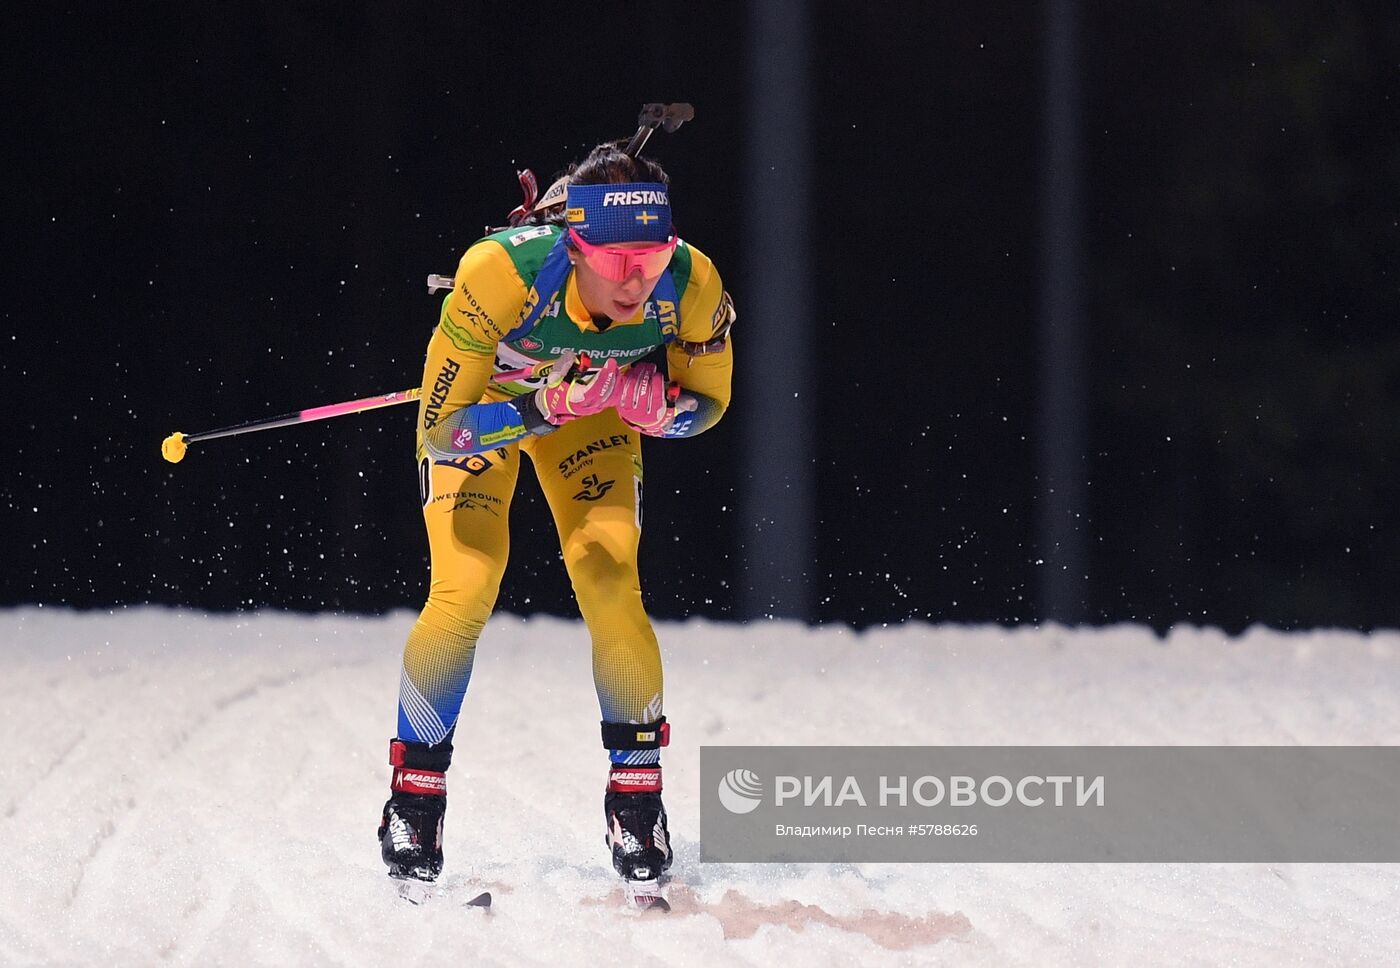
181, 788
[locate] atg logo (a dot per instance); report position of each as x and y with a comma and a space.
741, 791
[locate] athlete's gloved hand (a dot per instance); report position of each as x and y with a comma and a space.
568, 395
646, 402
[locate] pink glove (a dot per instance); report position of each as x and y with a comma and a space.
581, 396
643, 400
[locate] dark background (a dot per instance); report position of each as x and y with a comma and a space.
216, 213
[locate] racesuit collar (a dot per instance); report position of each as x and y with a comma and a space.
573, 305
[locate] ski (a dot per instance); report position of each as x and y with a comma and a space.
418, 892
646, 895
637, 895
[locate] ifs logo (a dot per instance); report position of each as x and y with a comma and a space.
741, 791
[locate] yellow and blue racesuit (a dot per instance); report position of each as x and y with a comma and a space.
472, 429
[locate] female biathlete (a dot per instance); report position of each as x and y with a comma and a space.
538, 351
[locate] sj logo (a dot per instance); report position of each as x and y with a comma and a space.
593, 489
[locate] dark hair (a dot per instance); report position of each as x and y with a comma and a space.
606, 164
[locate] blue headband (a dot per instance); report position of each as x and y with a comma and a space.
630, 212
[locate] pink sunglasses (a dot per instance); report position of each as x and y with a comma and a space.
616, 264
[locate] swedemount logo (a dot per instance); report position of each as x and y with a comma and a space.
740, 791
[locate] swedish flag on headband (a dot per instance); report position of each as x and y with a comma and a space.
628, 212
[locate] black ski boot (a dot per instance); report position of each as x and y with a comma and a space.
632, 807
410, 835
636, 817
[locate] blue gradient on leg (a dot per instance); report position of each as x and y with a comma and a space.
635, 757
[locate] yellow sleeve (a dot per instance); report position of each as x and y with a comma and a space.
484, 304
704, 310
